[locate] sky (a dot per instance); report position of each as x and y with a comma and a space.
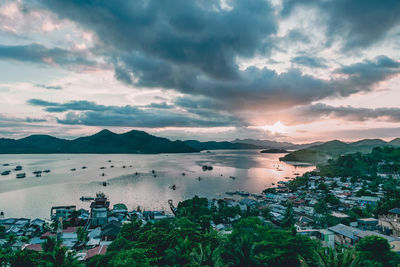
284, 70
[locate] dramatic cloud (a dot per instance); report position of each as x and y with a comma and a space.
357, 23
201, 64
150, 116
36, 53
350, 113
193, 46
307, 61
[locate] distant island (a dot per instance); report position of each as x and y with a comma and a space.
323, 152
274, 151
104, 142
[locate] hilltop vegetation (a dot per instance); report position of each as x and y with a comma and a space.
321, 153
381, 160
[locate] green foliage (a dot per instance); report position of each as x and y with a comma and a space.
288, 219
376, 250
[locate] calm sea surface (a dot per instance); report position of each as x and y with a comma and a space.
34, 196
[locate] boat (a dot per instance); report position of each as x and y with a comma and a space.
173, 187
18, 168
6, 173
86, 198
102, 168
232, 177
20, 175
207, 168
84, 167
124, 167
6, 164
112, 166
37, 173
46, 171
73, 169
104, 183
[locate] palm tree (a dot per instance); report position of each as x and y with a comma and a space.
204, 255
56, 255
240, 252
328, 257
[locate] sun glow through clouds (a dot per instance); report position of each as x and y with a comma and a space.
277, 127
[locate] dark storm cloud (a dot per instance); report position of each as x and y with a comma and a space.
36, 53
193, 33
193, 47
369, 72
312, 62
92, 114
358, 23
350, 113
49, 87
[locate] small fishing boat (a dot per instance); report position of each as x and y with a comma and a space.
173, 187
6, 173
46, 171
37, 173
83, 167
18, 168
232, 177
20, 175
73, 169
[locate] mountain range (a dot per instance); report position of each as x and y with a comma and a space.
106, 142
274, 144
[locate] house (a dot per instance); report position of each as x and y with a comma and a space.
364, 200
370, 224
63, 212
390, 223
94, 237
69, 236
327, 237
349, 236
110, 230
34, 247
303, 223
100, 250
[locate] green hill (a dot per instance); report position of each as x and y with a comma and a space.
104, 141
325, 151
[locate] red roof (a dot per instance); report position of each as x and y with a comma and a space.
35, 247
69, 229
100, 250
47, 234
